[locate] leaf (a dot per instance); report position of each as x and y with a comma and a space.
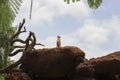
68, 1
94, 3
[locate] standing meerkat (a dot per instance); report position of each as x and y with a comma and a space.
58, 43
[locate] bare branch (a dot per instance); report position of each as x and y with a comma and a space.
19, 46
17, 40
14, 47
40, 44
25, 51
28, 46
9, 69
23, 30
15, 52
19, 30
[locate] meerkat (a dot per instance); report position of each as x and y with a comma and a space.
58, 43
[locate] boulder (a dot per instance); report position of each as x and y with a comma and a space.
107, 66
85, 69
52, 62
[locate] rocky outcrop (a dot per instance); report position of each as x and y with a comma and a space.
52, 62
85, 69
67, 63
107, 66
101, 68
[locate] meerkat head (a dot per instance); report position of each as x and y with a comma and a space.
58, 36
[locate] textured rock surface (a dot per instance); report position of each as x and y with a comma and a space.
67, 63
17, 76
107, 66
85, 69
53, 62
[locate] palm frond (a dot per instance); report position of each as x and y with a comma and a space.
94, 3
8, 11
68, 1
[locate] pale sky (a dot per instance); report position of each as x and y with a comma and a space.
96, 32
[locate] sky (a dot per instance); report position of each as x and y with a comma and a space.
95, 31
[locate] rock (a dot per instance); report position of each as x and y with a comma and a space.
85, 69
17, 76
52, 62
107, 66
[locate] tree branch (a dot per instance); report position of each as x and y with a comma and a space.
15, 52
30, 42
18, 40
19, 30
40, 44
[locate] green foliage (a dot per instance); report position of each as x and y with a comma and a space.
4, 46
8, 62
68, 1
8, 11
94, 4
1, 77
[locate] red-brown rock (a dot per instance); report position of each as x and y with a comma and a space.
52, 62
17, 76
85, 69
107, 66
